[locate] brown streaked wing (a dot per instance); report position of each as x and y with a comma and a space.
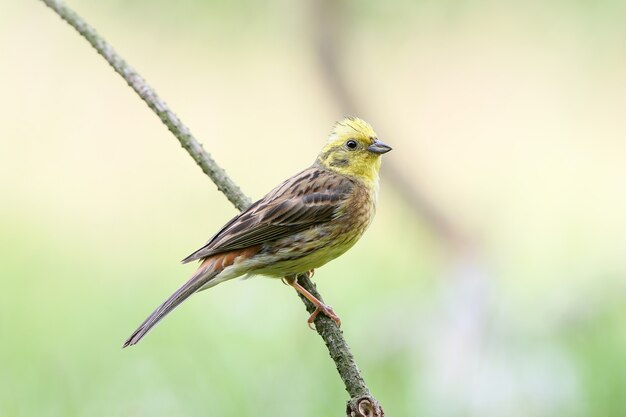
303, 201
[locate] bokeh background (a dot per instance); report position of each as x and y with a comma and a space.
492, 282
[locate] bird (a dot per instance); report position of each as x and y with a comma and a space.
310, 219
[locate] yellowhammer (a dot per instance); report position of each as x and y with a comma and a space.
308, 220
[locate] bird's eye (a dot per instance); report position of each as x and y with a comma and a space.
351, 144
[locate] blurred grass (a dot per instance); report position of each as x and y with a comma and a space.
509, 116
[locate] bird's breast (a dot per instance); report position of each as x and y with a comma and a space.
316, 246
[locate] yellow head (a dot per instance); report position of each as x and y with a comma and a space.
353, 150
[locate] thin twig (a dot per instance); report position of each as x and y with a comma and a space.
473, 277
329, 24
360, 397
158, 106
362, 403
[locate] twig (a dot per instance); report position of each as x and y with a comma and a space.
473, 277
328, 21
360, 397
158, 106
362, 403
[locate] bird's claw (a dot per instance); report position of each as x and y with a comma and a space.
328, 311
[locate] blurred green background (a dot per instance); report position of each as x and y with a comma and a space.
508, 119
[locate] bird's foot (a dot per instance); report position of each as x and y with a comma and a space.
327, 310
320, 307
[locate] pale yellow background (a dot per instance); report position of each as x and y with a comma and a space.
510, 117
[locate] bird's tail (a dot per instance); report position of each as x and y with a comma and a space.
200, 279
205, 277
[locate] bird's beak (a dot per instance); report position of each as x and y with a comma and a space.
379, 147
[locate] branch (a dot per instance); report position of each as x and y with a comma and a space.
470, 289
158, 106
361, 402
328, 26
